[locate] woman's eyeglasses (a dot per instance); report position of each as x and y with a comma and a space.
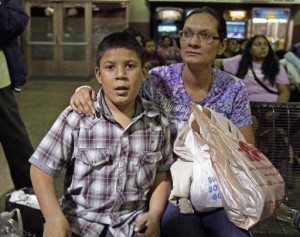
202, 36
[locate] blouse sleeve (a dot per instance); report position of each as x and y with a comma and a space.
231, 65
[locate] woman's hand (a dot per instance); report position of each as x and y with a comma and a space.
82, 101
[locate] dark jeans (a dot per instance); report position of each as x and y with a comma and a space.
14, 139
210, 224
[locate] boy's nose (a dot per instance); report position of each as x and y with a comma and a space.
121, 73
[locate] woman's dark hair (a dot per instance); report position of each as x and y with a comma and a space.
120, 40
222, 32
270, 66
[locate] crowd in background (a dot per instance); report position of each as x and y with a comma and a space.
166, 50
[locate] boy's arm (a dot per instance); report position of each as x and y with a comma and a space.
159, 196
56, 225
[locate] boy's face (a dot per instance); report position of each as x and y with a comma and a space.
120, 73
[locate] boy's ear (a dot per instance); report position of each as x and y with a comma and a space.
98, 75
222, 46
145, 71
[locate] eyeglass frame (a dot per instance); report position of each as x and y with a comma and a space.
199, 35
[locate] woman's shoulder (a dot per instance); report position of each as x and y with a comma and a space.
167, 71
162, 77
227, 85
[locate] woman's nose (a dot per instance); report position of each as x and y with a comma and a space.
194, 40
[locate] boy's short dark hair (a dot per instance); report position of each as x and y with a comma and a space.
120, 40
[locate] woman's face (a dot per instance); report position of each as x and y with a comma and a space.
259, 49
193, 51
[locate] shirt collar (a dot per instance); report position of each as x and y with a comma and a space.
103, 110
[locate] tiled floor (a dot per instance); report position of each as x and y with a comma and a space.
42, 100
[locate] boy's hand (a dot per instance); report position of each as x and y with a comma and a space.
57, 227
82, 101
152, 224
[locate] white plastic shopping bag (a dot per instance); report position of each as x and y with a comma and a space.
204, 192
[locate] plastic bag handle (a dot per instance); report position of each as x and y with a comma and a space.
9, 215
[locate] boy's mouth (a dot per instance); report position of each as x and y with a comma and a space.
122, 89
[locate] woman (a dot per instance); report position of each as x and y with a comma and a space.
174, 87
265, 79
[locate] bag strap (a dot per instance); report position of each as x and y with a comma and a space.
263, 85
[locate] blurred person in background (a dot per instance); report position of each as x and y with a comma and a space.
242, 45
135, 33
13, 135
292, 72
169, 50
153, 59
10, 41
261, 72
232, 48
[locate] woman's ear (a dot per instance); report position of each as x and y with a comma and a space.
222, 46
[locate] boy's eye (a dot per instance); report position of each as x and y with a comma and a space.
109, 67
130, 65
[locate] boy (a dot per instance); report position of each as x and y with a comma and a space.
117, 165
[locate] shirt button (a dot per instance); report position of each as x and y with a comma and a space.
152, 144
119, 189
114, 215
